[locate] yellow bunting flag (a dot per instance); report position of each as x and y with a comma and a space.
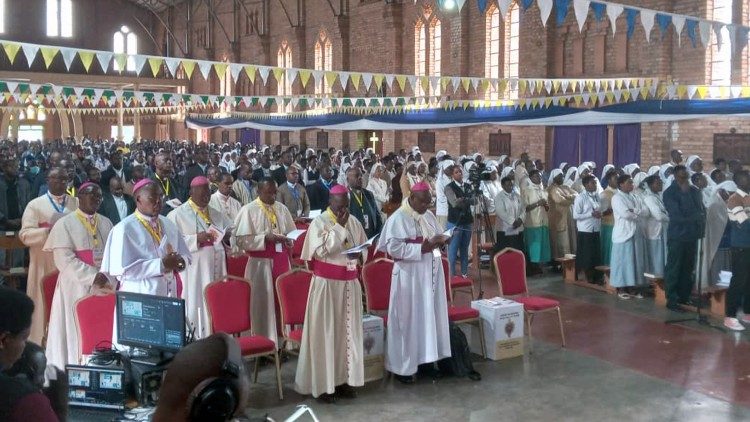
681, 91
378, 80
610, 96
155, 64
48, 54
250, 71
425, 81
87, 57
221, 70
355, 78
121, 60
702, 92
304, 76
625, 95
522, 86
465, 83
745, 92
555, 86
724, 92
401, 80
278, 73
11, 49
188, 66
331, 78
444, 83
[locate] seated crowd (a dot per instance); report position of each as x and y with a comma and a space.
162, 218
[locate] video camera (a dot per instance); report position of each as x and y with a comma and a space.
477, 175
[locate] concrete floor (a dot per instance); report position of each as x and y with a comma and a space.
622, 363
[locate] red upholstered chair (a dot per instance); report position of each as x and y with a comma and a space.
228, 303
376, 277
458, 283
94, 316
292, 289
511, 279
49, 284
236, 265
302, 225
373, 253
462, 314
297, 251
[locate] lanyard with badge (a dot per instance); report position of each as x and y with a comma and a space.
92, 227
360, 200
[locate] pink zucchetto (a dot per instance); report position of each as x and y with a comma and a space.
141, 183
339, 190
420, 187
86, 185
198, 181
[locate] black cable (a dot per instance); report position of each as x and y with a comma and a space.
105, 355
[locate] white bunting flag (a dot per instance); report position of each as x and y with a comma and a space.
679, 23
263, 71
367, 79
705, 28
614, 11
581, 8
68, 54
647, 20
205, 68
172, 64
504, 7
104, 58
30, 50
545, 8
140, 61
719, 39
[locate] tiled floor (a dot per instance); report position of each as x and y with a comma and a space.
622, 362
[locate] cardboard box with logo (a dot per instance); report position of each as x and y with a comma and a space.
502, 320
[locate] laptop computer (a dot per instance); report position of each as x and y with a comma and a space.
96, 387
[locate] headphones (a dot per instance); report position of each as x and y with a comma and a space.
217, 398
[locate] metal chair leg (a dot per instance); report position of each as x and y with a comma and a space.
529, 318
481, 338
562, 332
255, 371
278, 375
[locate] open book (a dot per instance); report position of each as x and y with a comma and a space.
314, 213
449, 232
362, 247
295, 234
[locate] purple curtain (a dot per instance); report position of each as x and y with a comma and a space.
627, 144
250, 136
565, 145
594, 144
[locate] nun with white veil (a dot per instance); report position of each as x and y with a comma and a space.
570, 177
717, 217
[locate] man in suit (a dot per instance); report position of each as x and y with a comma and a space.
318, 192
243, 188
292, 194
362, 204
198, 168
279, 174
164, 176
115, 169
264, 170
115, 204
15, 193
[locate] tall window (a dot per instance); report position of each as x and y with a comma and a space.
512, 30
720, 65
492, 50
125, 42
435, 53
427, 52
420, 55
323, 61
2, 16
284, 59
60, 18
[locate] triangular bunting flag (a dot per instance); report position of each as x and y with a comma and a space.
48, 54
401, 80
304, 76
331, 78
647, 20
140, 61
719, 37
465, 83
705, 28
545, 8
221, 70
355, 78
250, 72
389, 81
343, 79
155, 64
11, 50
504, 6
581, 8
614, 11
172, 64
103, 57
205, 68
68, 54
30, 50
367, 80
264, 71
678, 22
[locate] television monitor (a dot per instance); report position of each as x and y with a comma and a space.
150, 322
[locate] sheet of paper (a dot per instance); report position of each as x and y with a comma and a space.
362, 247
449, 232
279, 247
217, 233
314, 213
295, 234
174, 202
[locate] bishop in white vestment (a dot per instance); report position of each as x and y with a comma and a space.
77, 245
331, 358
39, 217
261, 228
198, 222
418, 311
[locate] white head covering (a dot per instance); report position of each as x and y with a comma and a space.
582, 167
467, 167
491, 165
475, 155
639, 178
554, 173
689, 162
506, 171
630, 168
440, 154
727, 185
562, 165
591, 164
663, 170
606, 169
375, 168
653, 170
415, 150
570, 176
501, 160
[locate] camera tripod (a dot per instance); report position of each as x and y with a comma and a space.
482, 223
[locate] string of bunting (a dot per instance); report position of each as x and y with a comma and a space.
696, 29
359, 81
